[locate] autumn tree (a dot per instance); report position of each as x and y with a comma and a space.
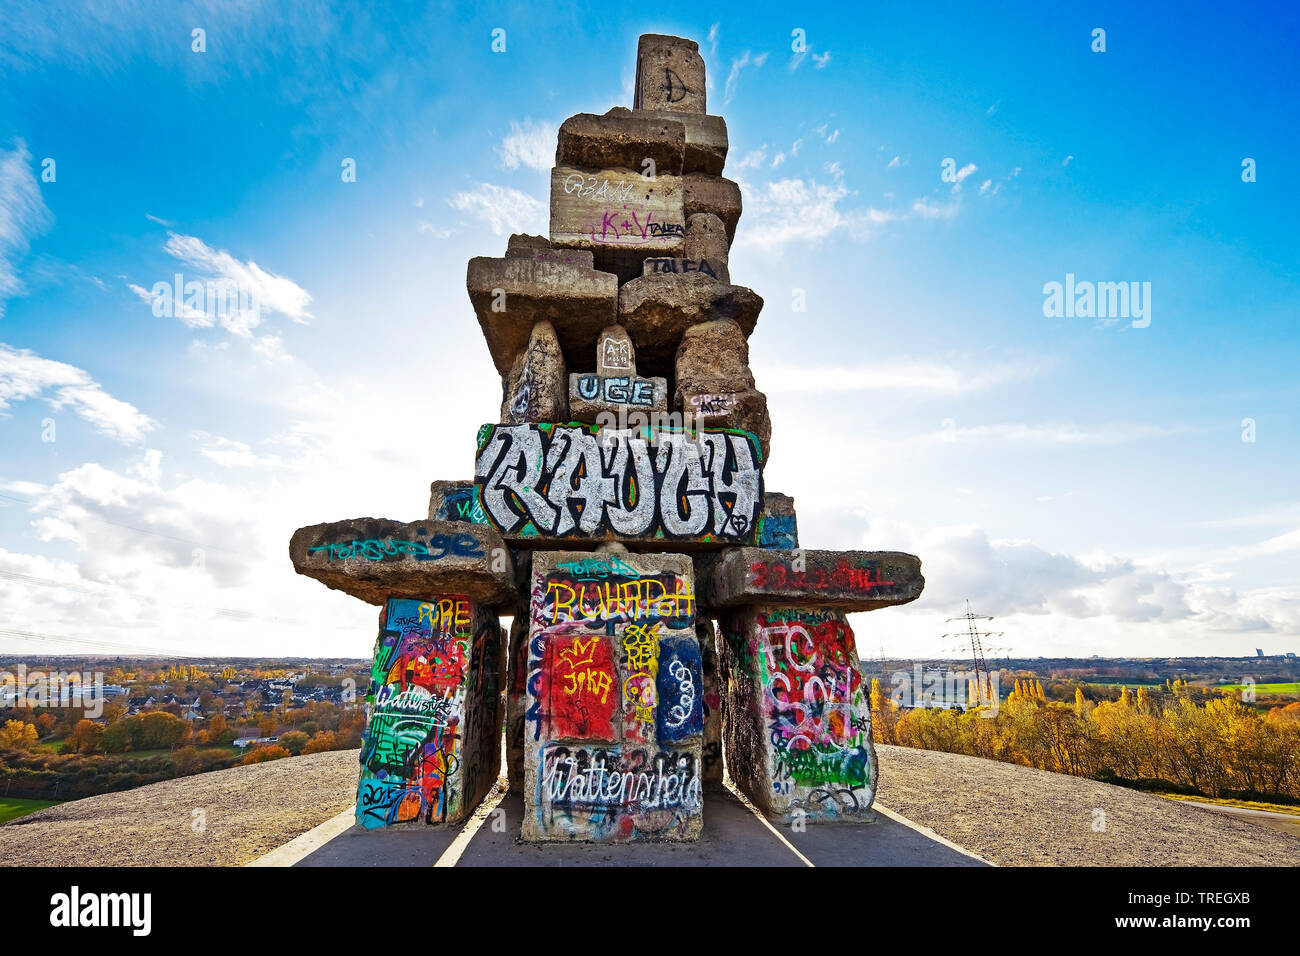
263, 754
18, 735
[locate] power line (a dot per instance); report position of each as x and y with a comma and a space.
96, 643
236, 613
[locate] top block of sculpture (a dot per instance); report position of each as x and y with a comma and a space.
617, 510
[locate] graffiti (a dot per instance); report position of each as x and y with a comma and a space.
614, 712
681, 711
778, 574
616, 353
668, 229
372, 549
674, 89
562, 480
574, 687
616, 389
680, 266
412, 746
598, 568
625, 227
706, 405
641, 649
814, 716
778, 532
460, 504
613, 779
599, 188
664, 597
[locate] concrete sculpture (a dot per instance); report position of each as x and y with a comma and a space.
617, 510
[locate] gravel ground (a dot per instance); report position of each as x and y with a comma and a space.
1010, 815
1015, 816
249, 811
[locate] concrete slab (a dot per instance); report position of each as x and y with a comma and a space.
403, 845
732, 837
885, 842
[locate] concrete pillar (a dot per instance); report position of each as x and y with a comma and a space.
433, 712
615, 716
711, 753
798, 713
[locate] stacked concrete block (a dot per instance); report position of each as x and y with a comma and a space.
614, 724
616, 511
614, 394
434, 707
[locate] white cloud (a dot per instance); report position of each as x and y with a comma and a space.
23, 215
737, 65
504, 209
1066, 161
438, 232
219, 289
751, 160
895, 375
25, 375
894, 163
833, 137
820, 60
192, 318
777, 160
798, 210
984, 186
926, 209
271, 292
229, 453
529, 144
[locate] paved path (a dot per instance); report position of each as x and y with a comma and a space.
1286, 822
733, 836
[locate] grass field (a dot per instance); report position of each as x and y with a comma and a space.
1244, 804
1284, 688
13, 807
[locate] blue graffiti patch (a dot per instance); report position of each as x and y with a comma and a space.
680, 683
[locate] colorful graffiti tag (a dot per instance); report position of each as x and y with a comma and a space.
614, 719
815, 749
568, 481
429, 658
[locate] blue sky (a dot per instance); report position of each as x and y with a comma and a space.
1084, 480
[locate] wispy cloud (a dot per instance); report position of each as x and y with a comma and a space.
531, 145
504, 209
23, 215
250, 293
923, 376
25, 375
745, 60
229, 453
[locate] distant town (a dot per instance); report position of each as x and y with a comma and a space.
75, 726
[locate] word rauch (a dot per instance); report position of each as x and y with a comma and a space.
562, 480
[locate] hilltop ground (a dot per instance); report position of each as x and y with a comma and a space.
1010, 815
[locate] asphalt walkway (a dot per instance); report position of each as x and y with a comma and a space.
733, 836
